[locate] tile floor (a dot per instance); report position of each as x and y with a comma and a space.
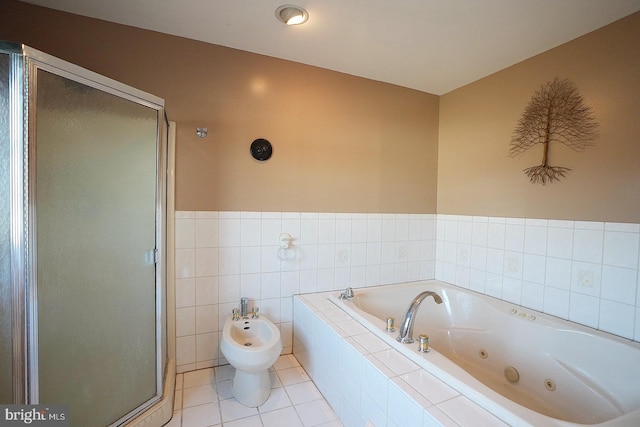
203, 399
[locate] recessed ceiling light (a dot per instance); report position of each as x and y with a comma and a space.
291, 15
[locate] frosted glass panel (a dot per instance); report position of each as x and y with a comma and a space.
95, 216
6, 359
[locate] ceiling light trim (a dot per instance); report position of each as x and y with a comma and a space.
290, 14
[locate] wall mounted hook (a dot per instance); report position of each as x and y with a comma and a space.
285, 240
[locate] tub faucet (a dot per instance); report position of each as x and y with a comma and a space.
244, 307
406, 327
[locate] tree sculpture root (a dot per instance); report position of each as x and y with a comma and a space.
545, 174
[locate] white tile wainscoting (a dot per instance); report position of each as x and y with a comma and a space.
586, 272
223, 256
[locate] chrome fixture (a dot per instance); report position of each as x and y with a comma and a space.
235, 314
255, 313
390, 324
347, 294
201, 132
291, 15
244, 307
406, 328
423, 343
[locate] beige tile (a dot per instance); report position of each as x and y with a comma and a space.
303, 392
231, 410
315, 413
282, 417
194, 396
292, 376
278, 399
201, 416
286, 361
198, 378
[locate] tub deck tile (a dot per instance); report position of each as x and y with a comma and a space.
466, 413
429, 386
434, 417
396, 362
371, 342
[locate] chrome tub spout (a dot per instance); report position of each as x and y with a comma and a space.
406, 327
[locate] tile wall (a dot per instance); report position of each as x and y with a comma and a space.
586, 272
223, 256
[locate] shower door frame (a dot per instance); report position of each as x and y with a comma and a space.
17, 142
25, 63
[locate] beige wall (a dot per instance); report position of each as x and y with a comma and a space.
475, 174
346, 144
341, 143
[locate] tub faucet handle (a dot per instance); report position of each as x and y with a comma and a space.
347, 294
390, 324
423, 343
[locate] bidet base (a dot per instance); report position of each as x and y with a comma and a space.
251, 389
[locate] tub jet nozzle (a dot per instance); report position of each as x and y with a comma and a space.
511, 374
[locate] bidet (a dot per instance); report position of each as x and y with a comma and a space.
251, 346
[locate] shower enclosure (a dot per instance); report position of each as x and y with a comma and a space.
83, 282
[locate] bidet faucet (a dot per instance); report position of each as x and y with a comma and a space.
244, 307
347, 294
406, 328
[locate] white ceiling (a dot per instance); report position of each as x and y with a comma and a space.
431, 45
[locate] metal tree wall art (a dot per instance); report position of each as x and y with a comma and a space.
555, 114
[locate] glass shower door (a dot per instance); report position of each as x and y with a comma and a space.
94, 175
83, 317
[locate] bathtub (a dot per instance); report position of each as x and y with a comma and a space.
567, 374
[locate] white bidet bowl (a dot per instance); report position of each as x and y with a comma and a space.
251, 346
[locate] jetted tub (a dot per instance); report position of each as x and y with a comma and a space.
525, 367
